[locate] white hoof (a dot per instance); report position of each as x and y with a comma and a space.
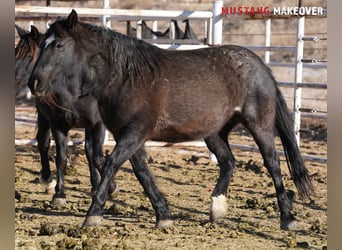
218, 207
49, 186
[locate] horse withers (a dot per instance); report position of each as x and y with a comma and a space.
147, 93
59, 113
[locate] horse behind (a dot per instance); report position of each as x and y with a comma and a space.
147, 93
59, 113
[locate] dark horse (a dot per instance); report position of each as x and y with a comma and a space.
147, 93
59, 112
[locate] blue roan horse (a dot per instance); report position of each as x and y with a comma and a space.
146, 93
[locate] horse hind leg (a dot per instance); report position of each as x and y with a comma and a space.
263, 134
219, 146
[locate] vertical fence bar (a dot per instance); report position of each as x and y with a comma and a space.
210, 31
172, 34
105, 19
106, 139
28, 94
216, 37
206, 31
298, 76
154, 28
139, 29
267, 39
217, 22
29, 25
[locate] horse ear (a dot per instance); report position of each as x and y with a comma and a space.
35, 33
72, 19
20, 30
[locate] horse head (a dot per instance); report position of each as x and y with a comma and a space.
61, 59
26, 54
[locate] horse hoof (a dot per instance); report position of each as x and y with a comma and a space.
218, 207
58, 202
164, 224
92, 221
292, 225
49, 186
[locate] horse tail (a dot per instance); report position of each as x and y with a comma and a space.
299, 173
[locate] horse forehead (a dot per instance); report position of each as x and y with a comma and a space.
49, 40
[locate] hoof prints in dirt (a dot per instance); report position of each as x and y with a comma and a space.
187, 180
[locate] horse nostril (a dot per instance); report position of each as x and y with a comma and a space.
33, 87
35, 83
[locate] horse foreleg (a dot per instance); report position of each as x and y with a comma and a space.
124, 149
59, 198
43, 141
157, 199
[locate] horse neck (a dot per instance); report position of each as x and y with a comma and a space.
117, 59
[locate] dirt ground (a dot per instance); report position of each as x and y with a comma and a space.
184, 174
187, 177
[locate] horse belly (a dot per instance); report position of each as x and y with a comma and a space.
186, 126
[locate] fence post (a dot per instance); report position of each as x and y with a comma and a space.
217, 23
215, 37
154, 28
139, 30
172, 33
267, 39
105, 19
298, 76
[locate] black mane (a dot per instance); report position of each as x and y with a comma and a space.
134, 61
